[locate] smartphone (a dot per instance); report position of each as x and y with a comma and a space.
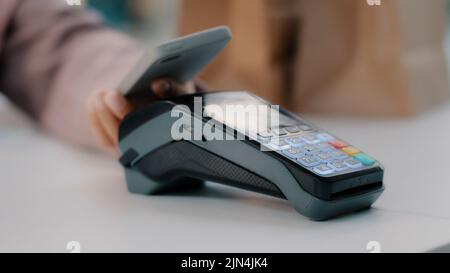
180, 59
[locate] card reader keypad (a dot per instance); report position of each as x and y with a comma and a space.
318, 151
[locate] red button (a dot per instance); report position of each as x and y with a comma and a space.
338, 144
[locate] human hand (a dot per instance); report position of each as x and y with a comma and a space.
107, 108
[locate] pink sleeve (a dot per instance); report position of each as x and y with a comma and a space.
53, 56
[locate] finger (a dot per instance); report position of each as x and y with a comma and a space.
188, 88
201, 86
165, 87
100, 134
108, 120
117, 104
161, 87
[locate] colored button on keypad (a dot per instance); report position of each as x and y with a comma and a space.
308, 160
351, 150
364, 159
338, 144
323, 169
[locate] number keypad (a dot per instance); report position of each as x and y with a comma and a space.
321, 152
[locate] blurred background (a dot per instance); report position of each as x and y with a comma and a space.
306, 58
321, 57
154, 21
150, 21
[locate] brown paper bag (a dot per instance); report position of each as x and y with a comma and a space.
253, 60
338, 56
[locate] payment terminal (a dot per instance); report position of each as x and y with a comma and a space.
321, 175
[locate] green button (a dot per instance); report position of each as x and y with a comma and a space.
364, 159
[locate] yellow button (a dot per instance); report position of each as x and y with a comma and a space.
351, 150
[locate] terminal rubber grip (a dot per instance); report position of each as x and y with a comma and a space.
182, 159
